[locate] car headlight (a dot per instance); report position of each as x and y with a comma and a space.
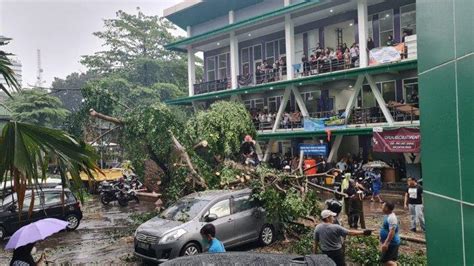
172, 236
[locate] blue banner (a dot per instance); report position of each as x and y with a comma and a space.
321, 124
314, 149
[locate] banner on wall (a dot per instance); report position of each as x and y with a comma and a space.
403, 140
386, 54
322, 124
314, 149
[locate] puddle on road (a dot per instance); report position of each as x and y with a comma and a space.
100, 238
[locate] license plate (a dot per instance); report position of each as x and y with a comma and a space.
143, 245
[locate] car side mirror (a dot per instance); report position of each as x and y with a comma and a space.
210, 218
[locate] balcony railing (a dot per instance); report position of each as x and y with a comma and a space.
263, 76
400, 113
211, 86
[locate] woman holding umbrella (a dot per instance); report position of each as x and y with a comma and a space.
23, 240
22, 256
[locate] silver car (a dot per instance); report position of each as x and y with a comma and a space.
238, 220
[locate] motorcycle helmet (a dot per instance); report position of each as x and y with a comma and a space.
334, 206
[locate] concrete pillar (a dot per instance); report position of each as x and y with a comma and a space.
231, 17
362, 25
268, 151
334, 148
290, 46
191, 67
300, 101
287, 2
234, 60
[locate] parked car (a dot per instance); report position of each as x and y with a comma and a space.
47, 204
237, 218
250, 258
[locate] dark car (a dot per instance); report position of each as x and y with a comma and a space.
237, 218
250, 258
47, 204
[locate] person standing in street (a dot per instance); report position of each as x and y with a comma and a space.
328, 237
389, 238
208, 233
414, 202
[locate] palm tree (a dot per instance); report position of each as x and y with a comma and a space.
26, 150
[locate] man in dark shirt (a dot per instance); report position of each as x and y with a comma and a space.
414, 202
248, 151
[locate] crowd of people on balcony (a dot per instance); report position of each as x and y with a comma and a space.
327, 60
267, 72
264, 120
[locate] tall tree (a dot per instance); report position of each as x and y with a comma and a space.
37, 107
68, 90
130, 37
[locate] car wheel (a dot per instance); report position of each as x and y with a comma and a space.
267, 235
73, 221
190, 249
3, 233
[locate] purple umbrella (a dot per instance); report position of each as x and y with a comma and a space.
34, 232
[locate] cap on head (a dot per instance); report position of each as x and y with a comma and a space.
327, 213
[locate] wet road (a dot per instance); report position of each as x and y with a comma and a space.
103, 237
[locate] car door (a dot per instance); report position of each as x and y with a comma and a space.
224, 223
248, 220
53, 206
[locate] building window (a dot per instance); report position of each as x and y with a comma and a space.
256, 104
257, 52
408, 19
367, 99
370, 28
386, 26
389, 91
245, 59
281, 47
274, 103
270, 52
222, 66
410, 90
310, 101
211, 68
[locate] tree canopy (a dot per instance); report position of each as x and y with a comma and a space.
37, 107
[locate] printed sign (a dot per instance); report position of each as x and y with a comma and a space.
404, 140
388, 54
314, 149
321, 124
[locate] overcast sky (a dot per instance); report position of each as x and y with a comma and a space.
62, 30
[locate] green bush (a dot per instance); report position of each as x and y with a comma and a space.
363, 250
416, 259
304, 246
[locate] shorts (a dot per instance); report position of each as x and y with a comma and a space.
390, 255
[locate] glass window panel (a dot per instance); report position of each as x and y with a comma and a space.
282, 46
221, 209
211, 63
222, 73
257, 52
211, 75
408, 18
389, 91
259, 104
53, 198
222, 60
384, 37
245, 55
243, 204
386, 20
370, 28
368, 98
269, 49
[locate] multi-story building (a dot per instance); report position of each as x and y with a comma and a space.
281, 59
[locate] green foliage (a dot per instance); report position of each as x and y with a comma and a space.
224, 126
139, 218
6, 70
363, 250
304, 246
130, 37
37, 107
416, 259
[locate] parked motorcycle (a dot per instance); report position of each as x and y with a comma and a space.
118, 191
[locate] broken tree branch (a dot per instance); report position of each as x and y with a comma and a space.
107, 118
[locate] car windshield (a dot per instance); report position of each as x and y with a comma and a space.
184, 209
